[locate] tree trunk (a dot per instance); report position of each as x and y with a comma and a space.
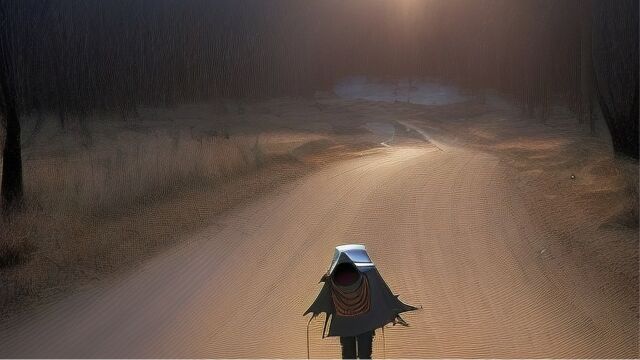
11, 159
11, 188
586, 65
615, 61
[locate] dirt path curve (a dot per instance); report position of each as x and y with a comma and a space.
444, 228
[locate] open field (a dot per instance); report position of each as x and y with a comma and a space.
517, 239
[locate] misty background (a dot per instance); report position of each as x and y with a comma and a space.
77, 57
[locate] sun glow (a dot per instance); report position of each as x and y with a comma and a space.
409, 6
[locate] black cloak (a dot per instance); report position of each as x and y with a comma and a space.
385, 306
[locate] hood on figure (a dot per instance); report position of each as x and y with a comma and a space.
354, 296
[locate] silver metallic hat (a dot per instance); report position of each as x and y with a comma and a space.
352, 253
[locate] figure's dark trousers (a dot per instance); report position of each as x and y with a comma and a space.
357, 347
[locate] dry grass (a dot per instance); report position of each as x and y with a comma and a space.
73, 198
102, 195
131, 171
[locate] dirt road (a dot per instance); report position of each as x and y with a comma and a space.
445, 229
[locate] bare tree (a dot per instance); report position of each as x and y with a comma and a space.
586, 65
615, 57
11, 189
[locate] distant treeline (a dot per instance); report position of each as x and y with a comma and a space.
81, 56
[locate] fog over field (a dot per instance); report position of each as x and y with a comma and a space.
177, 174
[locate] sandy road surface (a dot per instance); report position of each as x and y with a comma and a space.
444, 228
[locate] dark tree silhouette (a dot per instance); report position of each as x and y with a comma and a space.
615, 57
11, 188
586, 65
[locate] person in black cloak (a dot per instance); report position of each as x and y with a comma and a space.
356, 301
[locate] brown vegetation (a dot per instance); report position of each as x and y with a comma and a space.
103, 195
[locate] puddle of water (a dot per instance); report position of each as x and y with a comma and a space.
415, 92
384, 130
